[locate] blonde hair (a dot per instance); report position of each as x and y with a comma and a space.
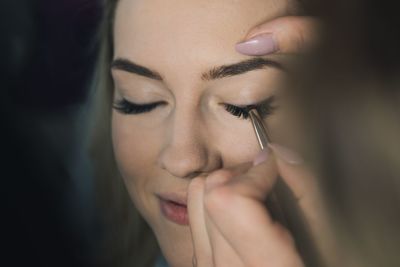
127, 239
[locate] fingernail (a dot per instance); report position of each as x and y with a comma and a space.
286, 154
262, 44
261, 157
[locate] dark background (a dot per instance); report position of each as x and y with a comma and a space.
47, 54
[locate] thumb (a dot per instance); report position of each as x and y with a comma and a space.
290, 34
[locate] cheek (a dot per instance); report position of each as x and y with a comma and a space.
130, 151
236, 142
135, 152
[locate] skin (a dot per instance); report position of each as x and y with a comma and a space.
229, 222
192, 135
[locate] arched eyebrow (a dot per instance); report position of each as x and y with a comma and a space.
213, 74
240, 68
131, 67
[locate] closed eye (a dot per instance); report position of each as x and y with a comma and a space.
126, 107
240, 112
264, 108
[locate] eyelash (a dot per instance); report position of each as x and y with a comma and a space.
126, 107
264, 108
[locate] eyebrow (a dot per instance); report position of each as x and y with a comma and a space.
129, 66
240, 68
213, 74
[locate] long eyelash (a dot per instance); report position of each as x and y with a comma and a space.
240, 112
264, 108
126, 107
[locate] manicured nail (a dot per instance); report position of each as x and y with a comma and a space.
259, 45
286, 154
261, 157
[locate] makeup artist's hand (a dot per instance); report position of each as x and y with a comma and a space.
286, 35
229, 222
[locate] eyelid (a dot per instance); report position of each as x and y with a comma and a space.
264, 107
126, 101
145, 91
127, 107
267, 101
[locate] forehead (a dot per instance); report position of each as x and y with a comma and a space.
170, 35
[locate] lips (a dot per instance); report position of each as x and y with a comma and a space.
174, 208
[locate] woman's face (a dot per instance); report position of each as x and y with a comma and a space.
175, 71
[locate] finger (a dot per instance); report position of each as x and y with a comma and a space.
256, 182
200, 235
246, 225
305, 188
201, 242
237, 211
290, 34
222, 252
299, 180
224, 175
239, 169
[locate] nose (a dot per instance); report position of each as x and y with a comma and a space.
187, 152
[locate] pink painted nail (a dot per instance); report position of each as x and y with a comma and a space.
259, 45
261, 157
286, 154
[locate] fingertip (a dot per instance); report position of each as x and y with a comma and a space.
261, 157
288, 34
261, 44
285, 154
195, 186
217, 178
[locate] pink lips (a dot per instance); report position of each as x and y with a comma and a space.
174, 208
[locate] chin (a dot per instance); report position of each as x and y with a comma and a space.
176, 244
